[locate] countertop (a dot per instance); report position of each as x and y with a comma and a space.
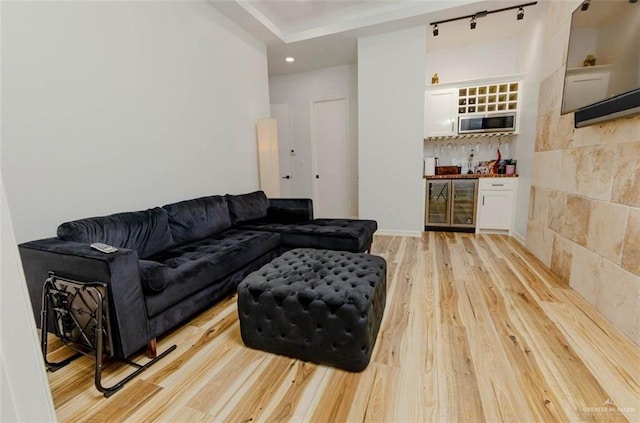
467, 176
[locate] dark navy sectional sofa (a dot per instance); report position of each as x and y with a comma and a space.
177, 260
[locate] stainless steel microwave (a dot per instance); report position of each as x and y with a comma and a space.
491, 122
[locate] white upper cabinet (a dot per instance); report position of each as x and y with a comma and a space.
440, 112
445, 103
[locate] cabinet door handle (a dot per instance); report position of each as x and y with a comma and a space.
483, 200
497, 185
451, 126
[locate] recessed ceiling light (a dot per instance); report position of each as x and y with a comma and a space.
289, 59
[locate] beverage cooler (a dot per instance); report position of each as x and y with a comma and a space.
451, 204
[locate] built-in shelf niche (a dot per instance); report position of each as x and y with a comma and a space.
499, 97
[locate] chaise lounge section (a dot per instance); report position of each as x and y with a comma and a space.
293, 220
177, 260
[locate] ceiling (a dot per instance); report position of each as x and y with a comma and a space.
324, 33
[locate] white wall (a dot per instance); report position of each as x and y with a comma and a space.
391, 69
116, 106
298, 90
475, 60
529, 62
24, 389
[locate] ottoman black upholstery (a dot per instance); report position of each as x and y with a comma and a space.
316, 305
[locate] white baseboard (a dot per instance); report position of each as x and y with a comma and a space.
392, 232
493, 232
522, 240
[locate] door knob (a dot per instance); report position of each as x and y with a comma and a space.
317, 176
286, 177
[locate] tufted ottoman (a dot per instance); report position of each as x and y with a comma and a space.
316, 305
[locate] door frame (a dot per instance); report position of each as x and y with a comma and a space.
314, 153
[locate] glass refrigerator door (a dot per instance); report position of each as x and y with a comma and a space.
438, 202
463, 206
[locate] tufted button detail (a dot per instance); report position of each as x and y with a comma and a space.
348, 301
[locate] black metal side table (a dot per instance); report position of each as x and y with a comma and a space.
77, 312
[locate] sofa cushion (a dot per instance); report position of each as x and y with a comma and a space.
197, 219
153, 275
328, 234
193, 266
146, 232
248, 206
277, 214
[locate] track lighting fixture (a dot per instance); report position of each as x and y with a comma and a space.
481, 14
585, 5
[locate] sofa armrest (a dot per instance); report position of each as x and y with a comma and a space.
301, 208
118, 270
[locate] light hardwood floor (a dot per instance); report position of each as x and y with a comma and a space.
475, 329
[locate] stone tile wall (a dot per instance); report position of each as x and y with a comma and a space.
584, 214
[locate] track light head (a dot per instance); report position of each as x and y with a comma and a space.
436, 31
520, 14
585, 5
472, 24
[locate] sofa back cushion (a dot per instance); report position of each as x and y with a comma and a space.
196, 219
248, 206
146, 232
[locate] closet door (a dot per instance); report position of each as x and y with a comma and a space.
330, 149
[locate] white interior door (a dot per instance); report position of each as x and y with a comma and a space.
330, 148
280, 112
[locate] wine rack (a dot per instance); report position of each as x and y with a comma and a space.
501, 97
